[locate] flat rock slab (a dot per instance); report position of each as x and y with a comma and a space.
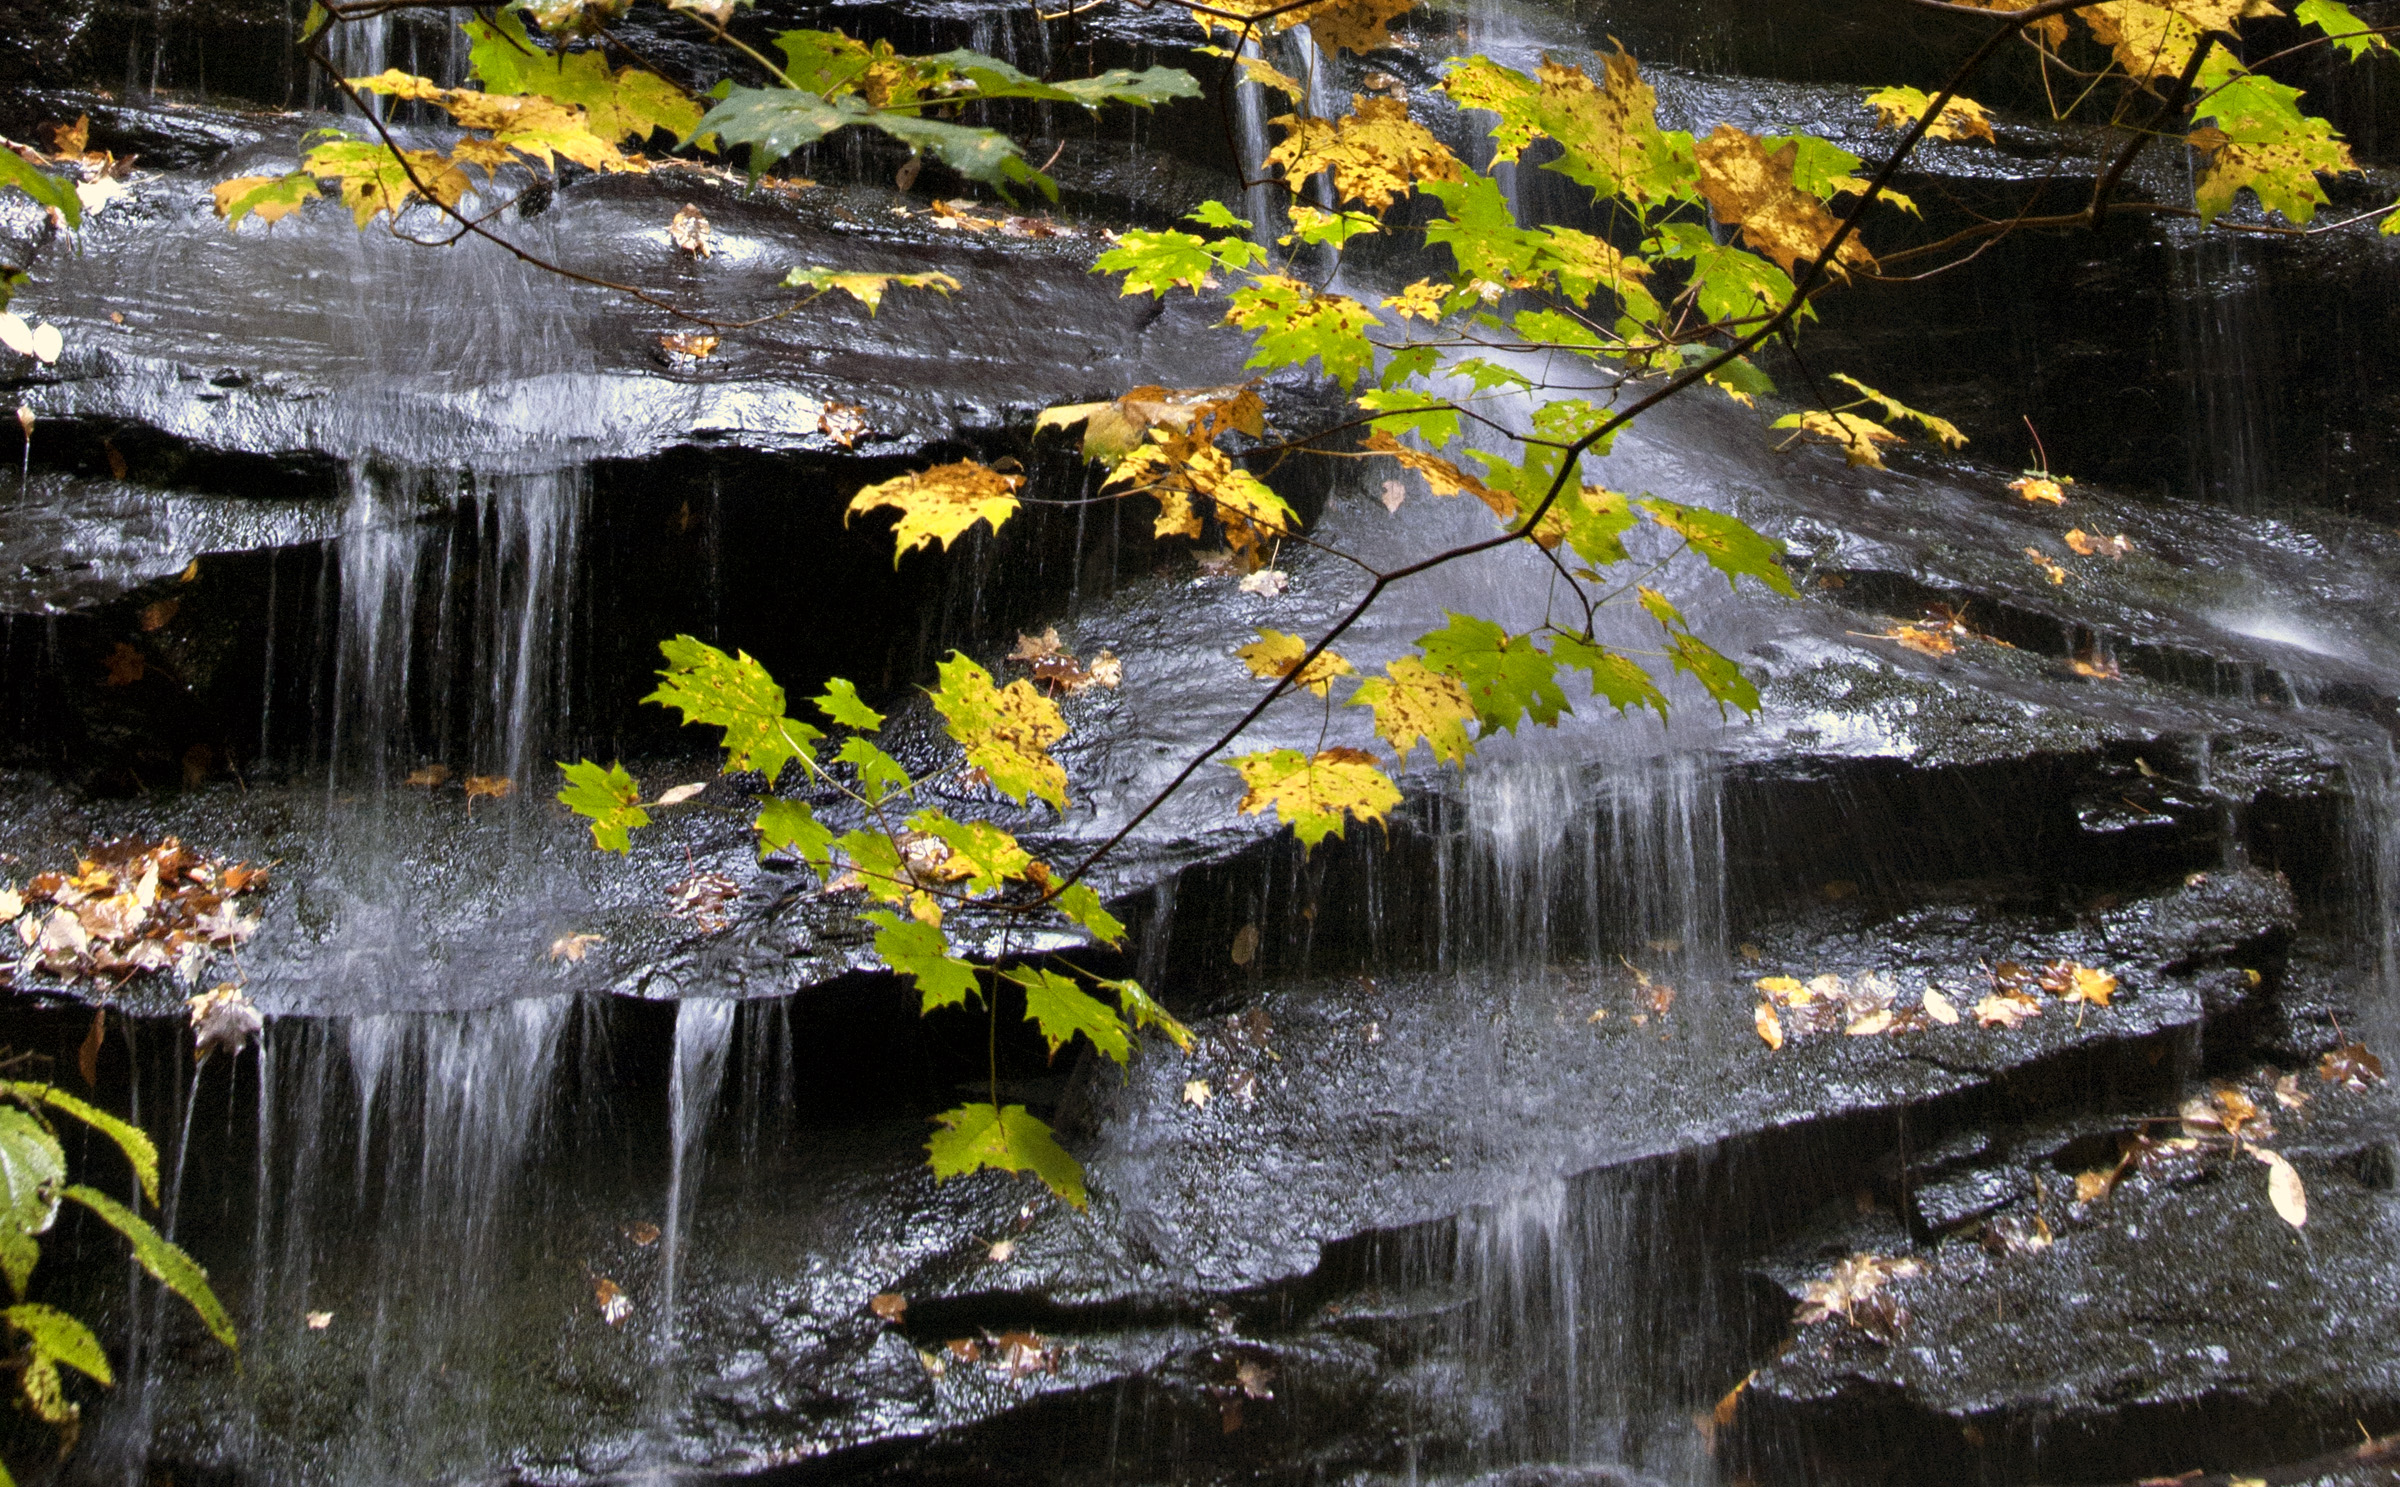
2177, 1323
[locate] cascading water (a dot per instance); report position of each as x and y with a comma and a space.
703, 1035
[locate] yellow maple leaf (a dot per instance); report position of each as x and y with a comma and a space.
1275, 654
2281, 172
1316, 794
1006, 731
537, 127
375, 178
1414, 702
867, 289
1749, 188
1352, 25
1442, 477
2042, 489
2155, 38
1377, 153
1941, 428
1854, 435
268, 198
1174, 467
940, 504
1612, 132
1114, 429
1898, 109
1419, 301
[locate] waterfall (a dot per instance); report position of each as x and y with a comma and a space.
1554, 863
703, 1033
451, 638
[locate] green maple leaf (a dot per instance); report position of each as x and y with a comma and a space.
1728, 543
1061, 1009
840, 702
921, 952
1506, 676
608, 798
736, 694
789, 825
620, 104
974, 1137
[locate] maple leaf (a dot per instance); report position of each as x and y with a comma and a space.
2003, 1011
375, 178
1768, 1025
223, 1018
55, 192
1006, 731
867, 289
2155, 38
1061, 1009
269, 198
1413, 703
1006, 1139
691, 345
1174, 467
536, 127
618, 104
1317, 794
1506, 676
1351, 25
1749, 188
689, 232
980, 854
1114, 429
614, 1305
2351, 1066
2341, 26
1610, 136
1942, 429
2088, 985
941, 504
1277, 654
1898, 109
1931, 640
1196, 1093
1855, 435
1441, 477
736, 694
1377, 153
610, 800
1292, 322
1728, 543
921, 952
2050, 566
1423, 300
489, 787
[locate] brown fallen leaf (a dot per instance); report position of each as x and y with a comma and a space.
889, 1305
1847, 1292
2288, 1093
1926, 639
965, 1349
116, 459
87, 1058
679, 794
689, 345
1940, 1008
1245, 945
2092, 1186
160, 614
615, 1306
844, 424
1001, 1252
2350, 1066
2018, 1234
1770, 1027
2041, 487
1196, 1093
2005, 1011
489, 787
704, 898
1393, 494
1869, 1025
1026, 1352
575, 946
689, 231
223, 1018
2050, 566
2088, 545
1253, 1378
2284, 1189
642, 1232
318, 1321
429, 776
125, 666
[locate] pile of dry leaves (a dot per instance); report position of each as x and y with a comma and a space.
1867, 1006
130, 907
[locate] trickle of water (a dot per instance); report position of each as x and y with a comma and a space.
1554, 863
703, 1034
